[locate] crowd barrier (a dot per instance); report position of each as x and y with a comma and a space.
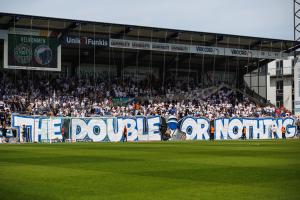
110, 129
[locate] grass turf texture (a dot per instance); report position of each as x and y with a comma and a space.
169, 170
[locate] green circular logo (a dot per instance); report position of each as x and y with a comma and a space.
23, 54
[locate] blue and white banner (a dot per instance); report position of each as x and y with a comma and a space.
110, 129
40, 128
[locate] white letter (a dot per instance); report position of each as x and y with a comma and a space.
97, 130
288, 123
221, 129
203, 127
190, 127
131, 129
153, 128
114, 131
235, 122
79, 129
142, 136
258, 130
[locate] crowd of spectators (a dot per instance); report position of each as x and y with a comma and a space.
58, 95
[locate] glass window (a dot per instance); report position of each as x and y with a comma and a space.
279, 85
279, 67
279, 101
263, 70
279, 93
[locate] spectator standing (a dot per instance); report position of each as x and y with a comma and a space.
274, 131
63, 134
124, 137
283, 132
212, 132
244, 133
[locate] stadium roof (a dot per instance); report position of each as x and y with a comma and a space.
9, 20
64, 27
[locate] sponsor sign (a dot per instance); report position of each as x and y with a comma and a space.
195, 49
84, 41
207, 50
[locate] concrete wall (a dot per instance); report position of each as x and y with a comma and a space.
287, 67
287, 93
287, 78
297, 88
271, 93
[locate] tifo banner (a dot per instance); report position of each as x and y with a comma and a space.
111, 129
196, 49
33, 52
148, 128
39, 128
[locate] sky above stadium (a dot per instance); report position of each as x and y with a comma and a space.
261, 18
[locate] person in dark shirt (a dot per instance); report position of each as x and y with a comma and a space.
63, 134
283, 132
163, 128
124, 138
244, 133
212, 133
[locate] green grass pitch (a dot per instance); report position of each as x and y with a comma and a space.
170, 170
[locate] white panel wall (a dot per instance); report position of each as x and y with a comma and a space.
287, 93
287, 66
271, 93
272, 68
287, 83
297, 88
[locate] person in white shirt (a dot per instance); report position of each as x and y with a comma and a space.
274, 131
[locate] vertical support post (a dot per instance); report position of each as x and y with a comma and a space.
296, 67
